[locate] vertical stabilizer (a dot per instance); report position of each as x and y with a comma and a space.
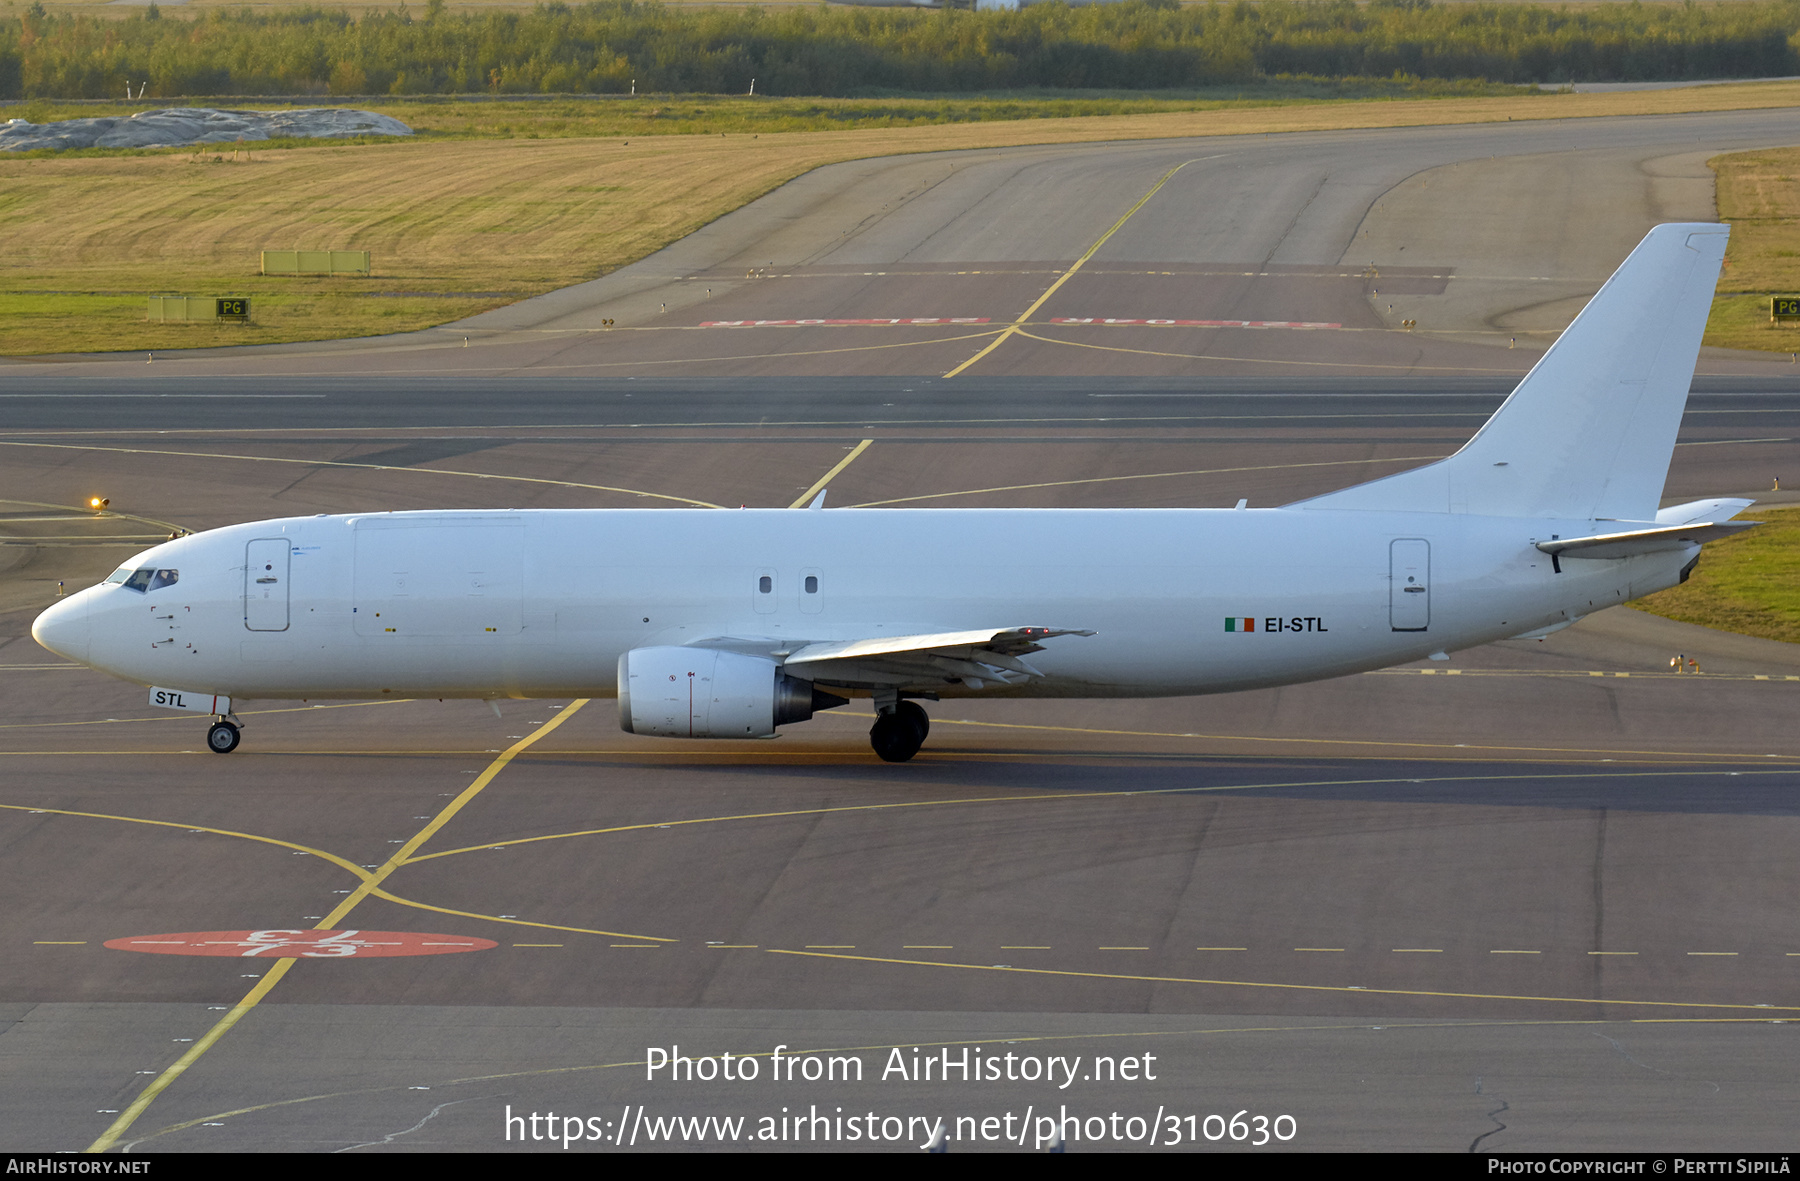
1588, 434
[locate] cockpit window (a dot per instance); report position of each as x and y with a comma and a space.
118, 576
146, 578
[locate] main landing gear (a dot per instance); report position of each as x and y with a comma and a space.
222, 739
899, 732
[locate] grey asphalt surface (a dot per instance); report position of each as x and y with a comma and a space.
1537, 899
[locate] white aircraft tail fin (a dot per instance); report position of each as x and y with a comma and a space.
1589, 432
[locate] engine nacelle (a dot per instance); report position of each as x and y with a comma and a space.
705, 693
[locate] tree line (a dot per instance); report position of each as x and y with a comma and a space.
610, 46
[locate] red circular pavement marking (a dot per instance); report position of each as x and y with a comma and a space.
301, 944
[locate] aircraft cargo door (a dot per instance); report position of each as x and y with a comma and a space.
1409, 584
266, 585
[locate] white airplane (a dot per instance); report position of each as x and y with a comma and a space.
729, 624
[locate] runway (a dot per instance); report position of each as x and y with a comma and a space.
1535, 899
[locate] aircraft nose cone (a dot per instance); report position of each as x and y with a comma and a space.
65, 629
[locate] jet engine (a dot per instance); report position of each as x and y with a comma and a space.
706, 693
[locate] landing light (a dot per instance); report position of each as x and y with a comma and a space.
98, 503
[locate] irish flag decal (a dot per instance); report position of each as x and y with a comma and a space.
1240, 623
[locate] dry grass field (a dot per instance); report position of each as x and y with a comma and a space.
629, 116
175, 8
460, 225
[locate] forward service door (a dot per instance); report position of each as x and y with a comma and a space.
266, 585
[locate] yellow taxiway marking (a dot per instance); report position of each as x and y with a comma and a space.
404, 853
1612, 953
1476, 996
1111, 348
387, 896
340, 862
377, 467
59, 942
129, 1116
1419, 950
370, 881
1214, 471
1221, 949
927, 947
1082, 797
1318, 949
819, 484
539, 945
1512, 951
862, 348
1554, 750
1018, 324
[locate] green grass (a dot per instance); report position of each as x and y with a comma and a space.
1749, 583
1742, 322
1758, 193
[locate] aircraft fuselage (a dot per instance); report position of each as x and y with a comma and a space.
544, 603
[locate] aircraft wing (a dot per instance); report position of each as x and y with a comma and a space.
1643, 541
975, 657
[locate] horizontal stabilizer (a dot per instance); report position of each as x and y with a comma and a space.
1644, 541
1722, 509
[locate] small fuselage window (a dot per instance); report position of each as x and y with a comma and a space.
146, 578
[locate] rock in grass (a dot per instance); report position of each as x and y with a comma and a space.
181, 126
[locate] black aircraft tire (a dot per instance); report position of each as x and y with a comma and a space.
895, 738
222, 739
915, 713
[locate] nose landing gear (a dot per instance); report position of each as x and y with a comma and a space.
222, 739
898, 733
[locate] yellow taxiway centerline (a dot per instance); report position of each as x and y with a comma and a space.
1018, 324
1265, 984
273, 977
819, 484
